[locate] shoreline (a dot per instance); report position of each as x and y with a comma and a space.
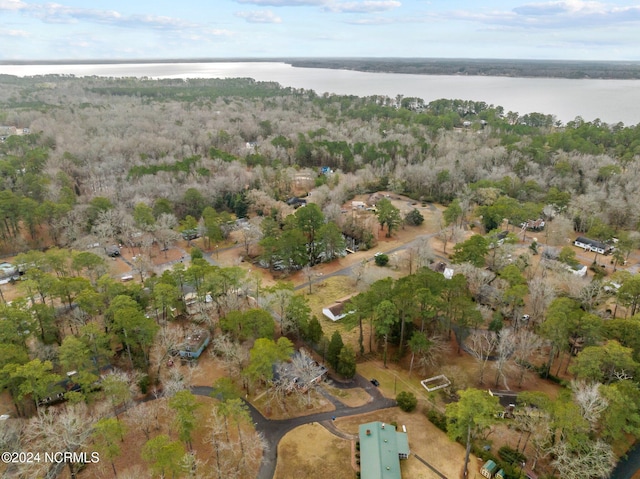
498, 68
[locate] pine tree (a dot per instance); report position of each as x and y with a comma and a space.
333, 351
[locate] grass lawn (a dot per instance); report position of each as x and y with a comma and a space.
352, 397
294, 405
425, 440
393, 379
312, 451
326, 293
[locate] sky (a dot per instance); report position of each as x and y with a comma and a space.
187, 29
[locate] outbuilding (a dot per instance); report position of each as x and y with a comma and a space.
489, 469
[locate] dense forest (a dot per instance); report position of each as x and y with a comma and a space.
487, 67
87, 163
216, 142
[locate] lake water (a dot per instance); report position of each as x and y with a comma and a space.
611, 101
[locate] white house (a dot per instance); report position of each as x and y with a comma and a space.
579, 270
592, 245
335, 311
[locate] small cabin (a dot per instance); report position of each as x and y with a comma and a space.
194, 343
499, 474
488, 469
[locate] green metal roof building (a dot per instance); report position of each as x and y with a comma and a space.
381, 448
488, 469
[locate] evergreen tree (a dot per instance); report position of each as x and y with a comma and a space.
333, 351
347, 362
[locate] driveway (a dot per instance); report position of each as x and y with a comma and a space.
274, 430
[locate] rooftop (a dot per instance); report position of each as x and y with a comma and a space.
380, 449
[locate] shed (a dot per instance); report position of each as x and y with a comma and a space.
499, 474
448, 273
489, 469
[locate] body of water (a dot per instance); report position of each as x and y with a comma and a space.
611, 101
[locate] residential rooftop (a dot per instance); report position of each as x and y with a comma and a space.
381, 448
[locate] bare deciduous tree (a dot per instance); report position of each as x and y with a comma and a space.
559, 231
250, 234
66, 430
178, 379
526, 343
504, 350
588, 397
358, 271
232, 353
541, 293
586, 460
481, 344
145, 417
419, 254
141, 265
164, 233
432, 357
167, 342
307, 371
235, 455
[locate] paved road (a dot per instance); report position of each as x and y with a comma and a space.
274, 430
348, 270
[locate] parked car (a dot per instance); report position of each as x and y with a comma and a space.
375, 382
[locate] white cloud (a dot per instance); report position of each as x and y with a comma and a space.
259, 16
564, 14
367, 6
14, 33
373, 21
559, 7
284, 3
56, 13
12, 5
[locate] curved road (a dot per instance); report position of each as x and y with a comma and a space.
348, 270
274, 430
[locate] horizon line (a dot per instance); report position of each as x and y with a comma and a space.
285, 59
